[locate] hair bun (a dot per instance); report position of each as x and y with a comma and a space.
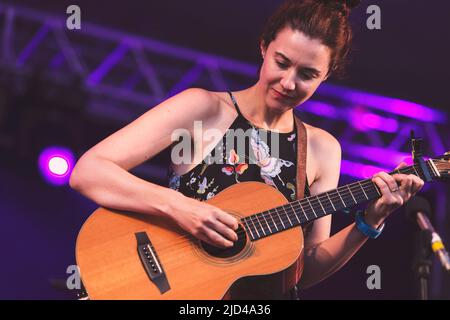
342, 5
352, 3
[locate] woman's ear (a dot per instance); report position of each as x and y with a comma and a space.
327, 76
263, 49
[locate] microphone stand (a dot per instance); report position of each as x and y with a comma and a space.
422, 262
422, 259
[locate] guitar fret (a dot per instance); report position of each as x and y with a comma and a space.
295, 214
303, 210
311, 207
372, 192
248, 227
361, 195
376, 189
330, 201
270, 229
287, 216
318, 199
341, 198
276, 218
256, 229
280, 218
348, 187
359, 182
257, 218
317, 206
326, 206
273, 220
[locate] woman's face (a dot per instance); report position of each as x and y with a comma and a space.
294, 66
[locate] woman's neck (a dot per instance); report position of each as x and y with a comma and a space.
252, 103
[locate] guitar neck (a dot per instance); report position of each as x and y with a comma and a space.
311, 208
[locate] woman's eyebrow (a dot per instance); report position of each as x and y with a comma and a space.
282, 55
309, 69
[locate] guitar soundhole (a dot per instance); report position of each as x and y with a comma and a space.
238, 246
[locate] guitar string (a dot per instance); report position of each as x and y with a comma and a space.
364, 183
192, 239
286, 217
243, 222
189, 241
298, 203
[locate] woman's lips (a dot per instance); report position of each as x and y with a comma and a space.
280, 95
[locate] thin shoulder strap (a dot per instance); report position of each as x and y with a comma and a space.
235, 103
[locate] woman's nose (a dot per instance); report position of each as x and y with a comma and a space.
288, 81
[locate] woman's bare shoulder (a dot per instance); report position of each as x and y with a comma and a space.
321, 141
198, 99
325, 157
182, 109
224, 101
153, 131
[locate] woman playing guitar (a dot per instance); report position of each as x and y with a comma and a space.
303, 43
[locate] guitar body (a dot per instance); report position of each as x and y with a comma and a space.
268, 268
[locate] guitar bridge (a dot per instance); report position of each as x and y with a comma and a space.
151, 263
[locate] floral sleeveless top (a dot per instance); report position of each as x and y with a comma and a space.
268, 156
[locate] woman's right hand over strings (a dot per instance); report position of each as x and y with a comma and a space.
204, 221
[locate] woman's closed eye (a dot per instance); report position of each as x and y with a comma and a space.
305, 75
282, 65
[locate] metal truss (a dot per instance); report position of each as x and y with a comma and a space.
126, 75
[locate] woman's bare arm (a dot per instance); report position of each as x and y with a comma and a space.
324, 255
102, 174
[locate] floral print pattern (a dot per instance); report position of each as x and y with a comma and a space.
270, 167
207, 179
233, 166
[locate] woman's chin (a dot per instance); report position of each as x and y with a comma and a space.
280, 106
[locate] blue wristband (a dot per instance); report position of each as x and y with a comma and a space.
365, 228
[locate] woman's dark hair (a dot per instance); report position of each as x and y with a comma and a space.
326, 20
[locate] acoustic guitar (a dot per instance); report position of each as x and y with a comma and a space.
123, 255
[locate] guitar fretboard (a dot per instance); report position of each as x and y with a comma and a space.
298, 212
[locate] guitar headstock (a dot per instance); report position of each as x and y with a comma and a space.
441, 164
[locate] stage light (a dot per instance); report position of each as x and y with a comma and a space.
373, 121
58, 166
55, 164
391, 105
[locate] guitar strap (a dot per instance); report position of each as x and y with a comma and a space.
301, 157
301, 181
